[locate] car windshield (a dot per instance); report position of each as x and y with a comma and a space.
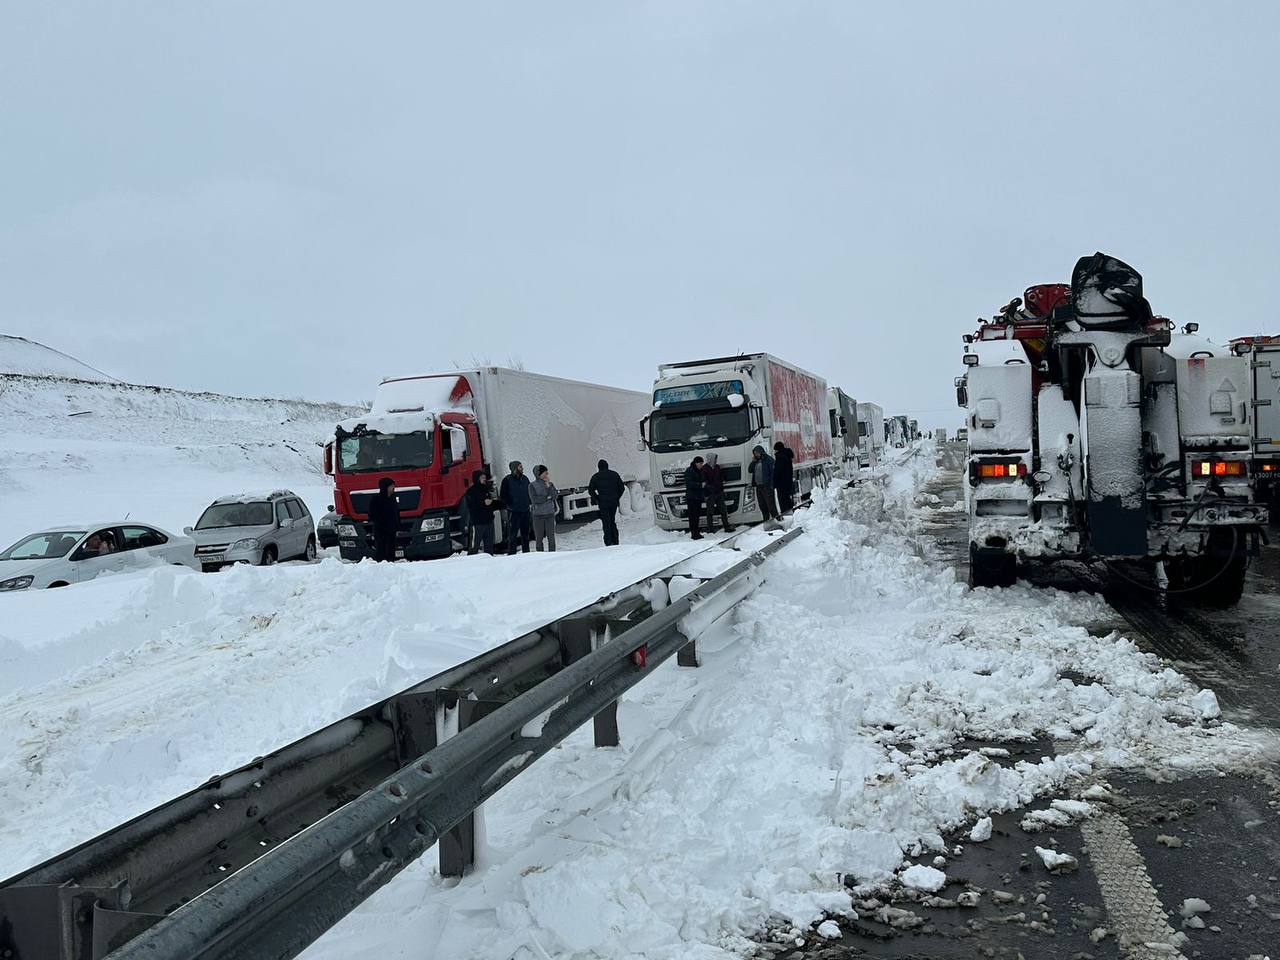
256, 513
43, 546
372, 452
692, 431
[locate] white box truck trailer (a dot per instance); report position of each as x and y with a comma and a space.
429, 434
871, 436
1263, 354
728, 406
842, 410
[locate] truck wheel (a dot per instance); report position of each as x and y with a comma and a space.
269, 556
991, 569
1215, 579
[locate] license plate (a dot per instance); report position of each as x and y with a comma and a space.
399, 554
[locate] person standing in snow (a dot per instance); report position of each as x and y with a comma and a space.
384, 517
784, 476
514, 495
481, 504
762, 482
693, 496
607, 490
713, 482
543, 497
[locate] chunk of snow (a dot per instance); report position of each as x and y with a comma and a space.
1077, 809
1193, 906
1053, 860
981, 831
1206, 704
920, 877
829, 929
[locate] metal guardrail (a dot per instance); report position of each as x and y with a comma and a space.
261, 861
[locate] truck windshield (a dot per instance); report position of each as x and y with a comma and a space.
693, 431
384, 451
256, 513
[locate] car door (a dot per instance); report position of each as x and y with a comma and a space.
302, 523
87, 565
145, 546
284, 531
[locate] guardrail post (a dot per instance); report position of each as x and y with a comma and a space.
579, 638
458, 846
687, 656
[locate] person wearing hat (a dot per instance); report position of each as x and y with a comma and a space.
607, 490
543, 497
514, 494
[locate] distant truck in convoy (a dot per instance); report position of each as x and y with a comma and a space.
1263, 355
429, 434
1098, 433
727, 406
871, 435
842, 410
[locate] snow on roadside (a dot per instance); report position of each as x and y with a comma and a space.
817, 746
122, 693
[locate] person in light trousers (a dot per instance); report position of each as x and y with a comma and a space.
543, 497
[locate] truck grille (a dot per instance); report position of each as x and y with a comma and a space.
408, 500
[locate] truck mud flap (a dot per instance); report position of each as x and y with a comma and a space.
1116, 530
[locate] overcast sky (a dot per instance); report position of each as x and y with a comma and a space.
300, 198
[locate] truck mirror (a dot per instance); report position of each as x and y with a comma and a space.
640, 445
962, 395
458, 443
328, 459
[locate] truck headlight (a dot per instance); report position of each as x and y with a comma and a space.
749, 498
658, 507
248, 543
432, 523
346, 529
16, 583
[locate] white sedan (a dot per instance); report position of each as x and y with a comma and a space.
57, 558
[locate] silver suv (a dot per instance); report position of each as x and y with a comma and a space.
254, 529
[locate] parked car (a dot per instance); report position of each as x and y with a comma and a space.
259, 529
66, 555
327, 529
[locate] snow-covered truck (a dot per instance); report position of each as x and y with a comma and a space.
429, 434
727, 406
1098, 433
871, 435
842, 411
1263, 354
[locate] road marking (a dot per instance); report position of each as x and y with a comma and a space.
1136, 915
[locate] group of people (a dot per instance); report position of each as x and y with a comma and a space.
528, 509
770, 477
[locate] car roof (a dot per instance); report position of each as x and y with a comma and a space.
98, 525
253, 497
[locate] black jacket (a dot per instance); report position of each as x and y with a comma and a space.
480, 512
606, 488
515, 493
783, 474
693, 483
384, 516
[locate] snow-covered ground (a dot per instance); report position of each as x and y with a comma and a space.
80, 452
810, 746
18, 355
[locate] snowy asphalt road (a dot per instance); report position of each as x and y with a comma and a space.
1207, 836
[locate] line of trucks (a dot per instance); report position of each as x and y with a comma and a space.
430, 434
1099, 431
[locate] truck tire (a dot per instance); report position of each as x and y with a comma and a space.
988, 569
1215, 579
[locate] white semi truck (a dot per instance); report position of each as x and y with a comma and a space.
871, 434
842, 411
429, 434
1263, 354
1097, 433
728, 406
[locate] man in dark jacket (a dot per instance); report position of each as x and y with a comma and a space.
713, 482
514, 495
693, 496
384, 517
607, 490
784, 476
762, 482
481, 504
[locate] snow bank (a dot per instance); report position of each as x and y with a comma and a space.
119, 694
822, 744
24, 357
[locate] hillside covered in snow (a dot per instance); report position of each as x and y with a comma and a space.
82, 447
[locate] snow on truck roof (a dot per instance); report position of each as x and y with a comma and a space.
410, 404
1182, 346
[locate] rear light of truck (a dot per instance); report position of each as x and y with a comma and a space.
1218, 468
1268, 466
988, 471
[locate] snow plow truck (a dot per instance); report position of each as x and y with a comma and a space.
1099, 433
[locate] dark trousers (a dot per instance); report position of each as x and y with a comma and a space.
481, 538
764, 496
384, 548
716, 504
695, 516
609, 520
519, 529
785, 502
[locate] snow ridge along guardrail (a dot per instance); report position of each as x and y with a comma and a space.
342, 811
